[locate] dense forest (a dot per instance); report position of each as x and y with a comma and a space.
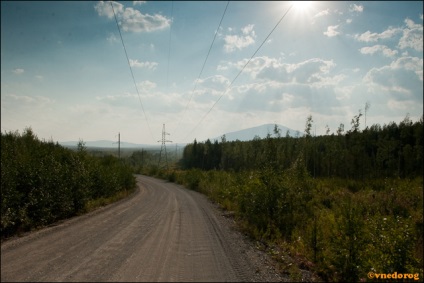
43, 182
378, 151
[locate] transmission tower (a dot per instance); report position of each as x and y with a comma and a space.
119, 145
163, 147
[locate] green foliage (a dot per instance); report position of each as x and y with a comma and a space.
347, 203
345, 228
374, 153
42, 182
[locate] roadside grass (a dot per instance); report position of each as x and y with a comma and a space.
92, 205
337, 229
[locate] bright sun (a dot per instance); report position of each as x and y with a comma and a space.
301, 5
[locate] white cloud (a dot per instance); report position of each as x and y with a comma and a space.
114, 98
322, 13
146, 86
310, 71
400, 105
348, 21
147, 64
373, 37
356, 8
265, 66
331, 31
135, 3
214, 82
313, 72
30, 100
112, 38
401, 80
248, 30
410, 64
104, 9
412, 36
378, 48
233, 42
18, 71
130, 19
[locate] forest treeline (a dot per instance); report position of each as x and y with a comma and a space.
375, 152
43, 182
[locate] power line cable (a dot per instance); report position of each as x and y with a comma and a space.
169, 47
228, 87
204, 63
129, 64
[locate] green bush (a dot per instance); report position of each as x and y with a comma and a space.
345, 233
42, 182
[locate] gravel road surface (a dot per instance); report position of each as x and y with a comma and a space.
163, 232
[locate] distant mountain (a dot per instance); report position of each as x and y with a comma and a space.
260, 131
107, 144
242, 135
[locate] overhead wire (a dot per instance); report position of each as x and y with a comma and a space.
132, 74
242, 69
169, 46
204, 63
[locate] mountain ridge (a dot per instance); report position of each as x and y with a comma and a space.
242, 135
259, 131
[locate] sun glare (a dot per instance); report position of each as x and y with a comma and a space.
301, 5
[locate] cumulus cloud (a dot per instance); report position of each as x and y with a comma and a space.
410, 64
310, 71
322, 13
147, 64
215, 82
356, 8
263, 67
115, 98
146, 86
331, 31
401, 80
130, 19
314, 72
378, 49
373, 37
18, 71
412, 36
240, 41
138, 2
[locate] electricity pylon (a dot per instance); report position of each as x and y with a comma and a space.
163, 147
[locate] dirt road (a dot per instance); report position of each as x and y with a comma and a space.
162, 233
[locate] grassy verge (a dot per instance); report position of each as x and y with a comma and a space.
338, 229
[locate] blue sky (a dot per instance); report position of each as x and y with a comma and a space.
65, 74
